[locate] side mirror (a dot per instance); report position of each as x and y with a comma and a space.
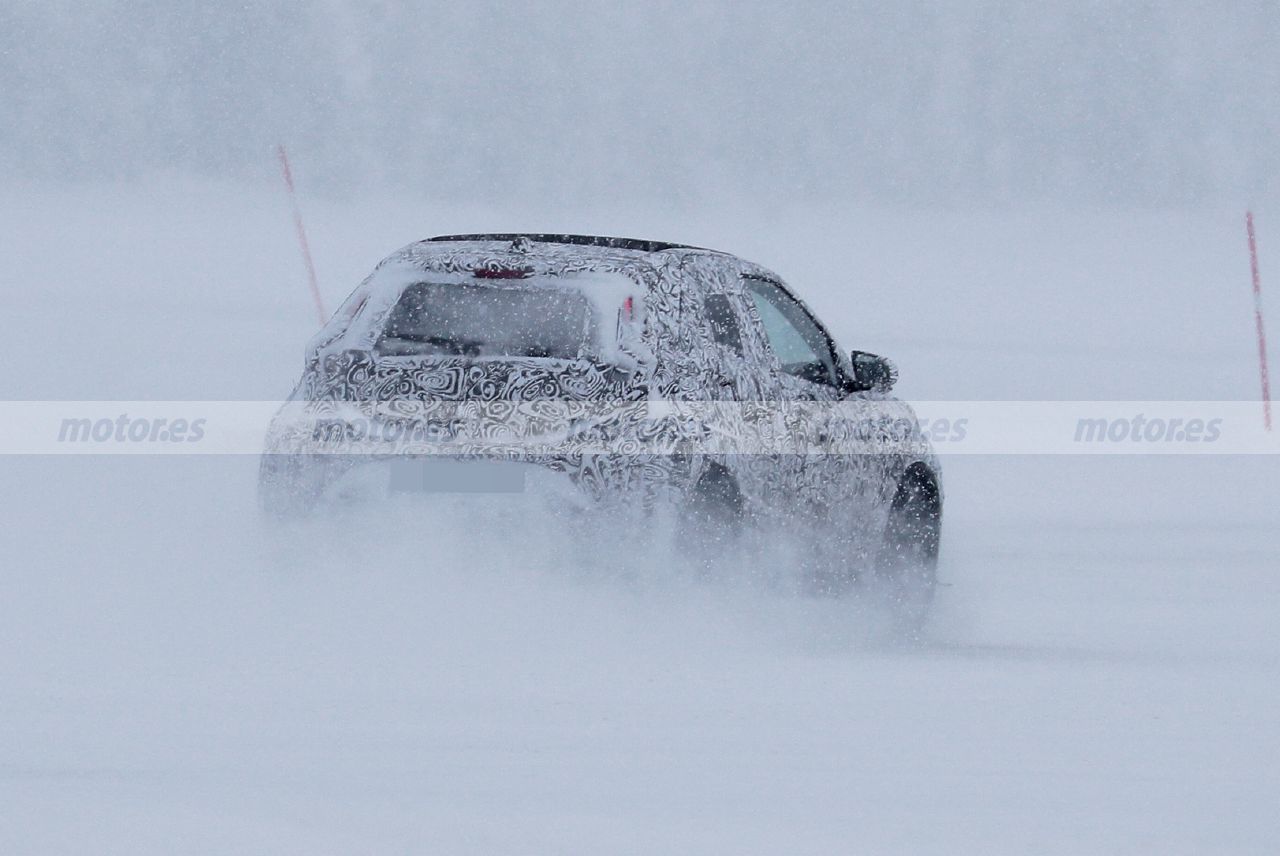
871, 372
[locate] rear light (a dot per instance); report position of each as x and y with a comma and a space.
355, 310
502, 273
628, 309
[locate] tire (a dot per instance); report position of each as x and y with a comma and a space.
290, 485
905, 572
711, 524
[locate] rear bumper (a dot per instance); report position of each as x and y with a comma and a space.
299, 482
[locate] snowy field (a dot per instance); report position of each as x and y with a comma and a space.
1102, 673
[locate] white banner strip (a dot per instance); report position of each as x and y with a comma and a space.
849, 427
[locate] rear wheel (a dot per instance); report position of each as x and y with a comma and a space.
710, 525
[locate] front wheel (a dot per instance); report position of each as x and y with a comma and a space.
905, 572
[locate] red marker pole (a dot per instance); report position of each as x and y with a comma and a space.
302, 234
1257, 320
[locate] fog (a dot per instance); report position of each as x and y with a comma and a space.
673, 102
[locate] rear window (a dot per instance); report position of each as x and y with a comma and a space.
443, 319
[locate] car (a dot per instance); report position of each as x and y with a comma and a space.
596, 373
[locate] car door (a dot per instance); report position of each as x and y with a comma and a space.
810, 384
716, 379
855, 439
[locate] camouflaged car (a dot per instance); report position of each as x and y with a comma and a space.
608, 373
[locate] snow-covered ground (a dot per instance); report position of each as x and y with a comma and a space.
1102, 673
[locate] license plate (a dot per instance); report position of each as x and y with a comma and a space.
450, 476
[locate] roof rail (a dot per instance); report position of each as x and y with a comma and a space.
575, 240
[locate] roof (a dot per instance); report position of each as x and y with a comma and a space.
574, 240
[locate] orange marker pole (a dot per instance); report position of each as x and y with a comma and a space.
302, 235
1257, 320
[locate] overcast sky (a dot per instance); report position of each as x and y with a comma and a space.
888, 103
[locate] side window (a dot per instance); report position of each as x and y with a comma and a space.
797, 340
723, 322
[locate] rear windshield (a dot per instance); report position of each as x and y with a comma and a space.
442, 319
